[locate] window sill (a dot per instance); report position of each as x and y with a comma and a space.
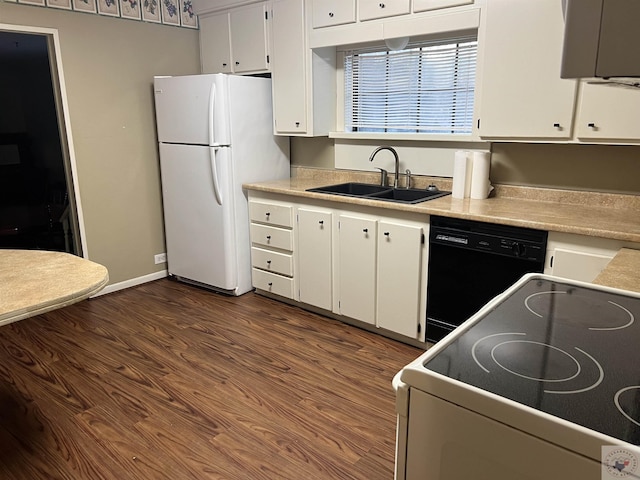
420, 137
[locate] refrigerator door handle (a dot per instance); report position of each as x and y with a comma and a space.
211, 116
214, 174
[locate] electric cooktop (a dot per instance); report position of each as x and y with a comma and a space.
568, 350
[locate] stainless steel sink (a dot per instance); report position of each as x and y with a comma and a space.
378, 192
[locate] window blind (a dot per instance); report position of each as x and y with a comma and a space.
425, 88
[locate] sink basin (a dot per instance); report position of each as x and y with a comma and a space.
378, 192
412, 195
351, 189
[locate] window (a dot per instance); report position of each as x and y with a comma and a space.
425, 88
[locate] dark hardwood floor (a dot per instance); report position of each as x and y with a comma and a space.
167, 381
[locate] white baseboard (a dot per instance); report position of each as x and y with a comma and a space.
132, 282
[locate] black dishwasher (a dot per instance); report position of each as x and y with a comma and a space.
470, 263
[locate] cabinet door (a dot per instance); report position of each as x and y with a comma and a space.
424, 5
357, 268
333, 12
215, 46
522, 94
288, 69
314, 257
249, 38
370, 9
608, 112
399, 276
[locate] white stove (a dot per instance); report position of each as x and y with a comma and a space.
542, 383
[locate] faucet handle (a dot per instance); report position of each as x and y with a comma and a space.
383, 176
407, 173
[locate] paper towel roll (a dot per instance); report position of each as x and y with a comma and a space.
480, 185
461, 187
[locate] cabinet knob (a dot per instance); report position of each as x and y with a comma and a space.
386, 234
237, 63
321, 222
267, 214
224, 64
556, 125
331, 14
297, 124
381, 5
268, 237
268, 262
365, 230
591, 125
270, 284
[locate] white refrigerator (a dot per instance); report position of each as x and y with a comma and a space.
215, 132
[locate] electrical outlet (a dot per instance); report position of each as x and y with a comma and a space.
160, 258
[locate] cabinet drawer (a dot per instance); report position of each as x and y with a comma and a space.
424, 5
370, 9
272, 236
271, 213
273, 283
333, 12
272, 261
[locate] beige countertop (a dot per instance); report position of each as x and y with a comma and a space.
35, 281
607, 217
622, 272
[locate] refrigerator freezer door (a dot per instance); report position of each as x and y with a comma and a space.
199, 230
192, 109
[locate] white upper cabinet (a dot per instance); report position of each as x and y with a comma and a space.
202, 7
608, 113
215, 46
326, 13
424, 5
303, 80
289, 67
370, 9
248, 27
522, 94
235, 41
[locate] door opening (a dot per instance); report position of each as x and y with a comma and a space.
38, 208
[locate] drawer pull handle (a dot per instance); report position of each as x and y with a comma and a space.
331, 14
365, 230
556, 125
224, 64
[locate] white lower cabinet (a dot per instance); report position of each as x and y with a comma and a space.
578, 257
357, 267
399, 277
272, 246
314, 254
381, 272
362, 264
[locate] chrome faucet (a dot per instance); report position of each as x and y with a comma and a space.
395, 155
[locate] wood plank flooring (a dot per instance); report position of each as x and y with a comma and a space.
168, 381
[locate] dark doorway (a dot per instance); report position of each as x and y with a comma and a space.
34, 195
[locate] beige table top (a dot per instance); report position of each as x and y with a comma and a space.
33, 282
